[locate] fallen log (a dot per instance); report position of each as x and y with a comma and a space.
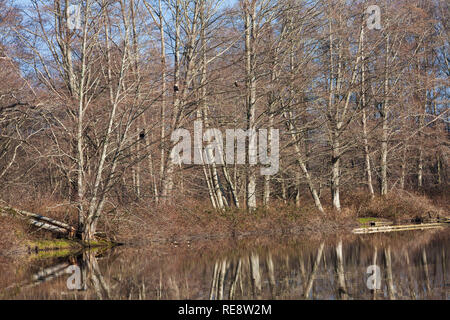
39, 217
405, 227
40, 221
49, 227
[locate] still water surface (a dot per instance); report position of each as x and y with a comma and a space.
411, 265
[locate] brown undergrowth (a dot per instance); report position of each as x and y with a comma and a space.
13, 233
398, 206
191, 220
185, 220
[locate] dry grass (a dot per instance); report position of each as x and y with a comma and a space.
190, 220
13, 233
396, 206
186, 220
195, 220
16, 234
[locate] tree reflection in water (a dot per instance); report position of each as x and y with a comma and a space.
413, 266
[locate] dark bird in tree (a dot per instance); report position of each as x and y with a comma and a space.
142, 134
175, 88
236, 84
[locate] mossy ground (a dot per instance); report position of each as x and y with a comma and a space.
53, 244
366, 220
57, 253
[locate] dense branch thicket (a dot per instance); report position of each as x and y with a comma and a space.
87, 113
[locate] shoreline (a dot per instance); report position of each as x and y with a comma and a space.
188, 222
66, 247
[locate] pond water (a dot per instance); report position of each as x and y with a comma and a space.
400, 265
